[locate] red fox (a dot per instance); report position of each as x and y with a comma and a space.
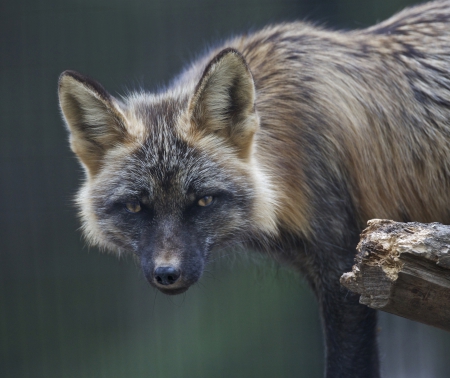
286, 140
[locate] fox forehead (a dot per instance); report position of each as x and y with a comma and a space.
155, 117
163, 165
155, 145
160, 156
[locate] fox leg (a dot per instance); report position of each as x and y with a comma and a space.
349, 330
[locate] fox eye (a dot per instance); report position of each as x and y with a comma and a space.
205, 201
133, 206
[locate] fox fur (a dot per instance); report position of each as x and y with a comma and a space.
286, 140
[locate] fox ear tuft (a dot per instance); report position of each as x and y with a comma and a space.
92, 116
224, 101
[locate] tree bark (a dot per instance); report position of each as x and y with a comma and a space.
404, 269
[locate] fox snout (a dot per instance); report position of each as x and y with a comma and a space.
168, 279
170, 276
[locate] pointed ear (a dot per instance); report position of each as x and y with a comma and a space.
93, 117
224, 101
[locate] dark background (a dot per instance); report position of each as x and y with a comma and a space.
69, 311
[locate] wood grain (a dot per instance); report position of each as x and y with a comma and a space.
404, 269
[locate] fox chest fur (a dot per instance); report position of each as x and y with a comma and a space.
287, 140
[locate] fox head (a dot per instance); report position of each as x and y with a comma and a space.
170, 177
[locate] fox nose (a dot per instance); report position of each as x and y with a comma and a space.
166, 275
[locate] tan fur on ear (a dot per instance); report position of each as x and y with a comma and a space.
93, 117
224, 101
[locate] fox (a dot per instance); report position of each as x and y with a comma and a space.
285, 141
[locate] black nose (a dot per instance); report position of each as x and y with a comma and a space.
166, 275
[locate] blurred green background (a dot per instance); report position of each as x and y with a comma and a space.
69, 311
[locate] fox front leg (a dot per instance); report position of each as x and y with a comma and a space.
349, 331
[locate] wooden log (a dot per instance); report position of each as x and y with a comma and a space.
404, 269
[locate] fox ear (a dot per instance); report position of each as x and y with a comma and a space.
93, 117
224, 101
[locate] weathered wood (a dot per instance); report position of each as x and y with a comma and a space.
404, 269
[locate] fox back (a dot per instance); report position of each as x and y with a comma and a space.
286, 140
